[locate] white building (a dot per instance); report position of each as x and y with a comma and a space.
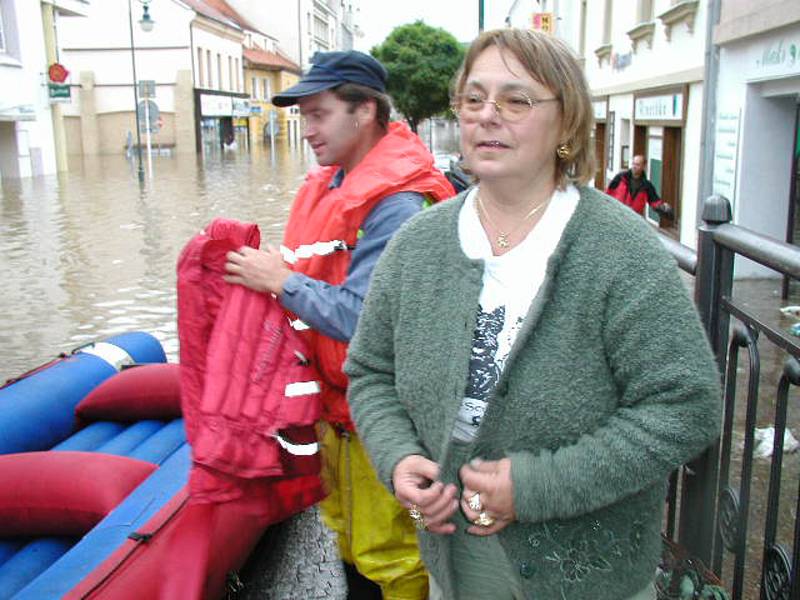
644, 61
193, 54
305, 27
27, 134
756, 158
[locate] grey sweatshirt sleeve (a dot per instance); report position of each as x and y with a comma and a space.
333, 310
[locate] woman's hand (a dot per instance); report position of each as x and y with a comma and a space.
416, 486
260, 270
491, 480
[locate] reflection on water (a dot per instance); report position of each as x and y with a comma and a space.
87, 254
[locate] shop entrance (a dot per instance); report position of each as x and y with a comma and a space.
793, 219
600, 156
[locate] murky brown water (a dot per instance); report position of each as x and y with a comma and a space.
88, 253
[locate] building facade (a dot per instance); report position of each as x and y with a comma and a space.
756, 139
644, 62
102, 48
29, 119
266, 71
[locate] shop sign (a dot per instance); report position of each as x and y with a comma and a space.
659, 108
212, 105
600, 107
57, 73
256, 109
542, 21
726, 148
241, 107
781, 57
59, 92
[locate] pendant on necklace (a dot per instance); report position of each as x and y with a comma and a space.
502, 240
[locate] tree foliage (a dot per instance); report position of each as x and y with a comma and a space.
422, 61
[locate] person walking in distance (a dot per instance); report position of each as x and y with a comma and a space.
373, 175
634, 189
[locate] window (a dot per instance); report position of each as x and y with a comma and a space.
219, 71
609, 10
582, 41
238, 84
200, 82
267, 89
209, 83
230, 74
3, 45
254, 88
644, 11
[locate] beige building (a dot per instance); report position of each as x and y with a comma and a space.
266, 73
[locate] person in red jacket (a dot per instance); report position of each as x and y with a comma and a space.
632, 188
372, 176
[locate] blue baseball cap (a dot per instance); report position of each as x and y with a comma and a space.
331, 69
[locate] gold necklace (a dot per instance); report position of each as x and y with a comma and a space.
501, 239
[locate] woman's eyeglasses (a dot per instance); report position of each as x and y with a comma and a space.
511, 107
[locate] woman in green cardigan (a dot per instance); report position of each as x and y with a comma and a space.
529, 368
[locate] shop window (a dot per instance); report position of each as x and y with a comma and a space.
600, 153
610, 126
9, 44
2, 35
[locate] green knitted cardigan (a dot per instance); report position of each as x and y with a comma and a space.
610, 385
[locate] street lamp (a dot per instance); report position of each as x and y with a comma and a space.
146, 24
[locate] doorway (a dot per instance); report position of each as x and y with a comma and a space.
600, 155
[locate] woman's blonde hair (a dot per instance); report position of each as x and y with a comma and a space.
551, 62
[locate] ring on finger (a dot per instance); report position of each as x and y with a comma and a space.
484, 520
474, 502
416, 516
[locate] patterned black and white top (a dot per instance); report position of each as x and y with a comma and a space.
510, 282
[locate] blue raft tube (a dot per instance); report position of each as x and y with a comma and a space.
37, 412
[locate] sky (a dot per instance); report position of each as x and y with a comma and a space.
460, 17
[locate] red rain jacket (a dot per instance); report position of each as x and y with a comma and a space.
249, 404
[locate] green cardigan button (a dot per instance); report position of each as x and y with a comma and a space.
526, 569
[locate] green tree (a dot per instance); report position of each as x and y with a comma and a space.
421, 61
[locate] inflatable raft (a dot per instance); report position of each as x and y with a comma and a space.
94, 467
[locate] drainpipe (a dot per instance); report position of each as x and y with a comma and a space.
709, 131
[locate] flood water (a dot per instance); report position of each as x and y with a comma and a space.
88, 253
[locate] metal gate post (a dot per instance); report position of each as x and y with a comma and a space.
713, 281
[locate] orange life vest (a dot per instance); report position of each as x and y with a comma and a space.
323, 229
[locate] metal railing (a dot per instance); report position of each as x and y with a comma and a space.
711, 498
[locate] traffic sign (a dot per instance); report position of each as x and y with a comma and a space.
147, 88
148, 116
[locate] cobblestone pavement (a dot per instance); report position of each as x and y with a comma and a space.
295, 560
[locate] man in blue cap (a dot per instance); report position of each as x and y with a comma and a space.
372, 176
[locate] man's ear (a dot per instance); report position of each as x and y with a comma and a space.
367, 111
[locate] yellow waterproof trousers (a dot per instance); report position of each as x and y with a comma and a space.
374, 530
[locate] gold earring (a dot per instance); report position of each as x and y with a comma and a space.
563, 151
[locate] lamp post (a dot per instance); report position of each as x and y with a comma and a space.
146, 24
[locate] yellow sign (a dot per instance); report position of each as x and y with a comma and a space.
543, 21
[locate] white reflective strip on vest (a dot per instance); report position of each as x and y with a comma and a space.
297, 449
288, 255
309, 250
113, 355
301, 388
299, 325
